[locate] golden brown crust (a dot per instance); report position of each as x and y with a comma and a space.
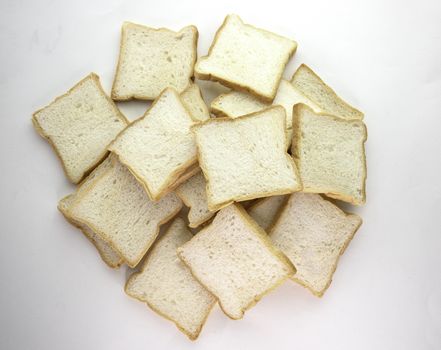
174, 176
297, 136
40, 130
191, 336
263, 237
215, 207
236, 85
121, 98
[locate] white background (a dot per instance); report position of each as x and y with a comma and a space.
382, 56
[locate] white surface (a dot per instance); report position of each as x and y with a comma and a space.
383, 56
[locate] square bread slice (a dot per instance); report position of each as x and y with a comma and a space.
192, 99
236, 103
117, 208
80, 125
167, 286
315, 89
313, 233
265, 210
246, 58
194, 195
329, 153
235, 260
159, 147
245, 158
151, 60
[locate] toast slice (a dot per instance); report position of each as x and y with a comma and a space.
151, 60
194, 195
159, 147
315, 89
192, 99
117, 208
246, 58
313, 233
236, 103
245, 158
80, 125
235, 260
265, 210
167, 286
329, 153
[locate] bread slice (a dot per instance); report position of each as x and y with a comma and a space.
313, 233
194, 102
246, 58
265, 210
236, 103
159, 147
167, 286
80, 125
315, 89
235, 260
194, 195
151, 60
329, 153
117, 208
245, 158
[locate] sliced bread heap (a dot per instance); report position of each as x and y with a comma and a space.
159, 147
107, 253
316, 90
236, 103
151, 60
167, 286
235, 260
245, 158
265, 210
117, 208
329, 153
313, 233
246, 58
194, 102
80, 125
194, 195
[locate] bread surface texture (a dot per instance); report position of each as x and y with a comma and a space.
316, 90
159, 147
245, 158
193, 100
313, 233
167, 286
151, 60
265, 210
80, 125
194, 195
235, 260
329, 152
118, 209
246, 58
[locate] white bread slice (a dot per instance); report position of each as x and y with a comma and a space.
236, 103
235, 260
313, 233
167, 286
159, 147
246, 58
265, 210
117, 208
245, 158
80, 125
151, 60
194, 195
192, 99
316, 90
329, 153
